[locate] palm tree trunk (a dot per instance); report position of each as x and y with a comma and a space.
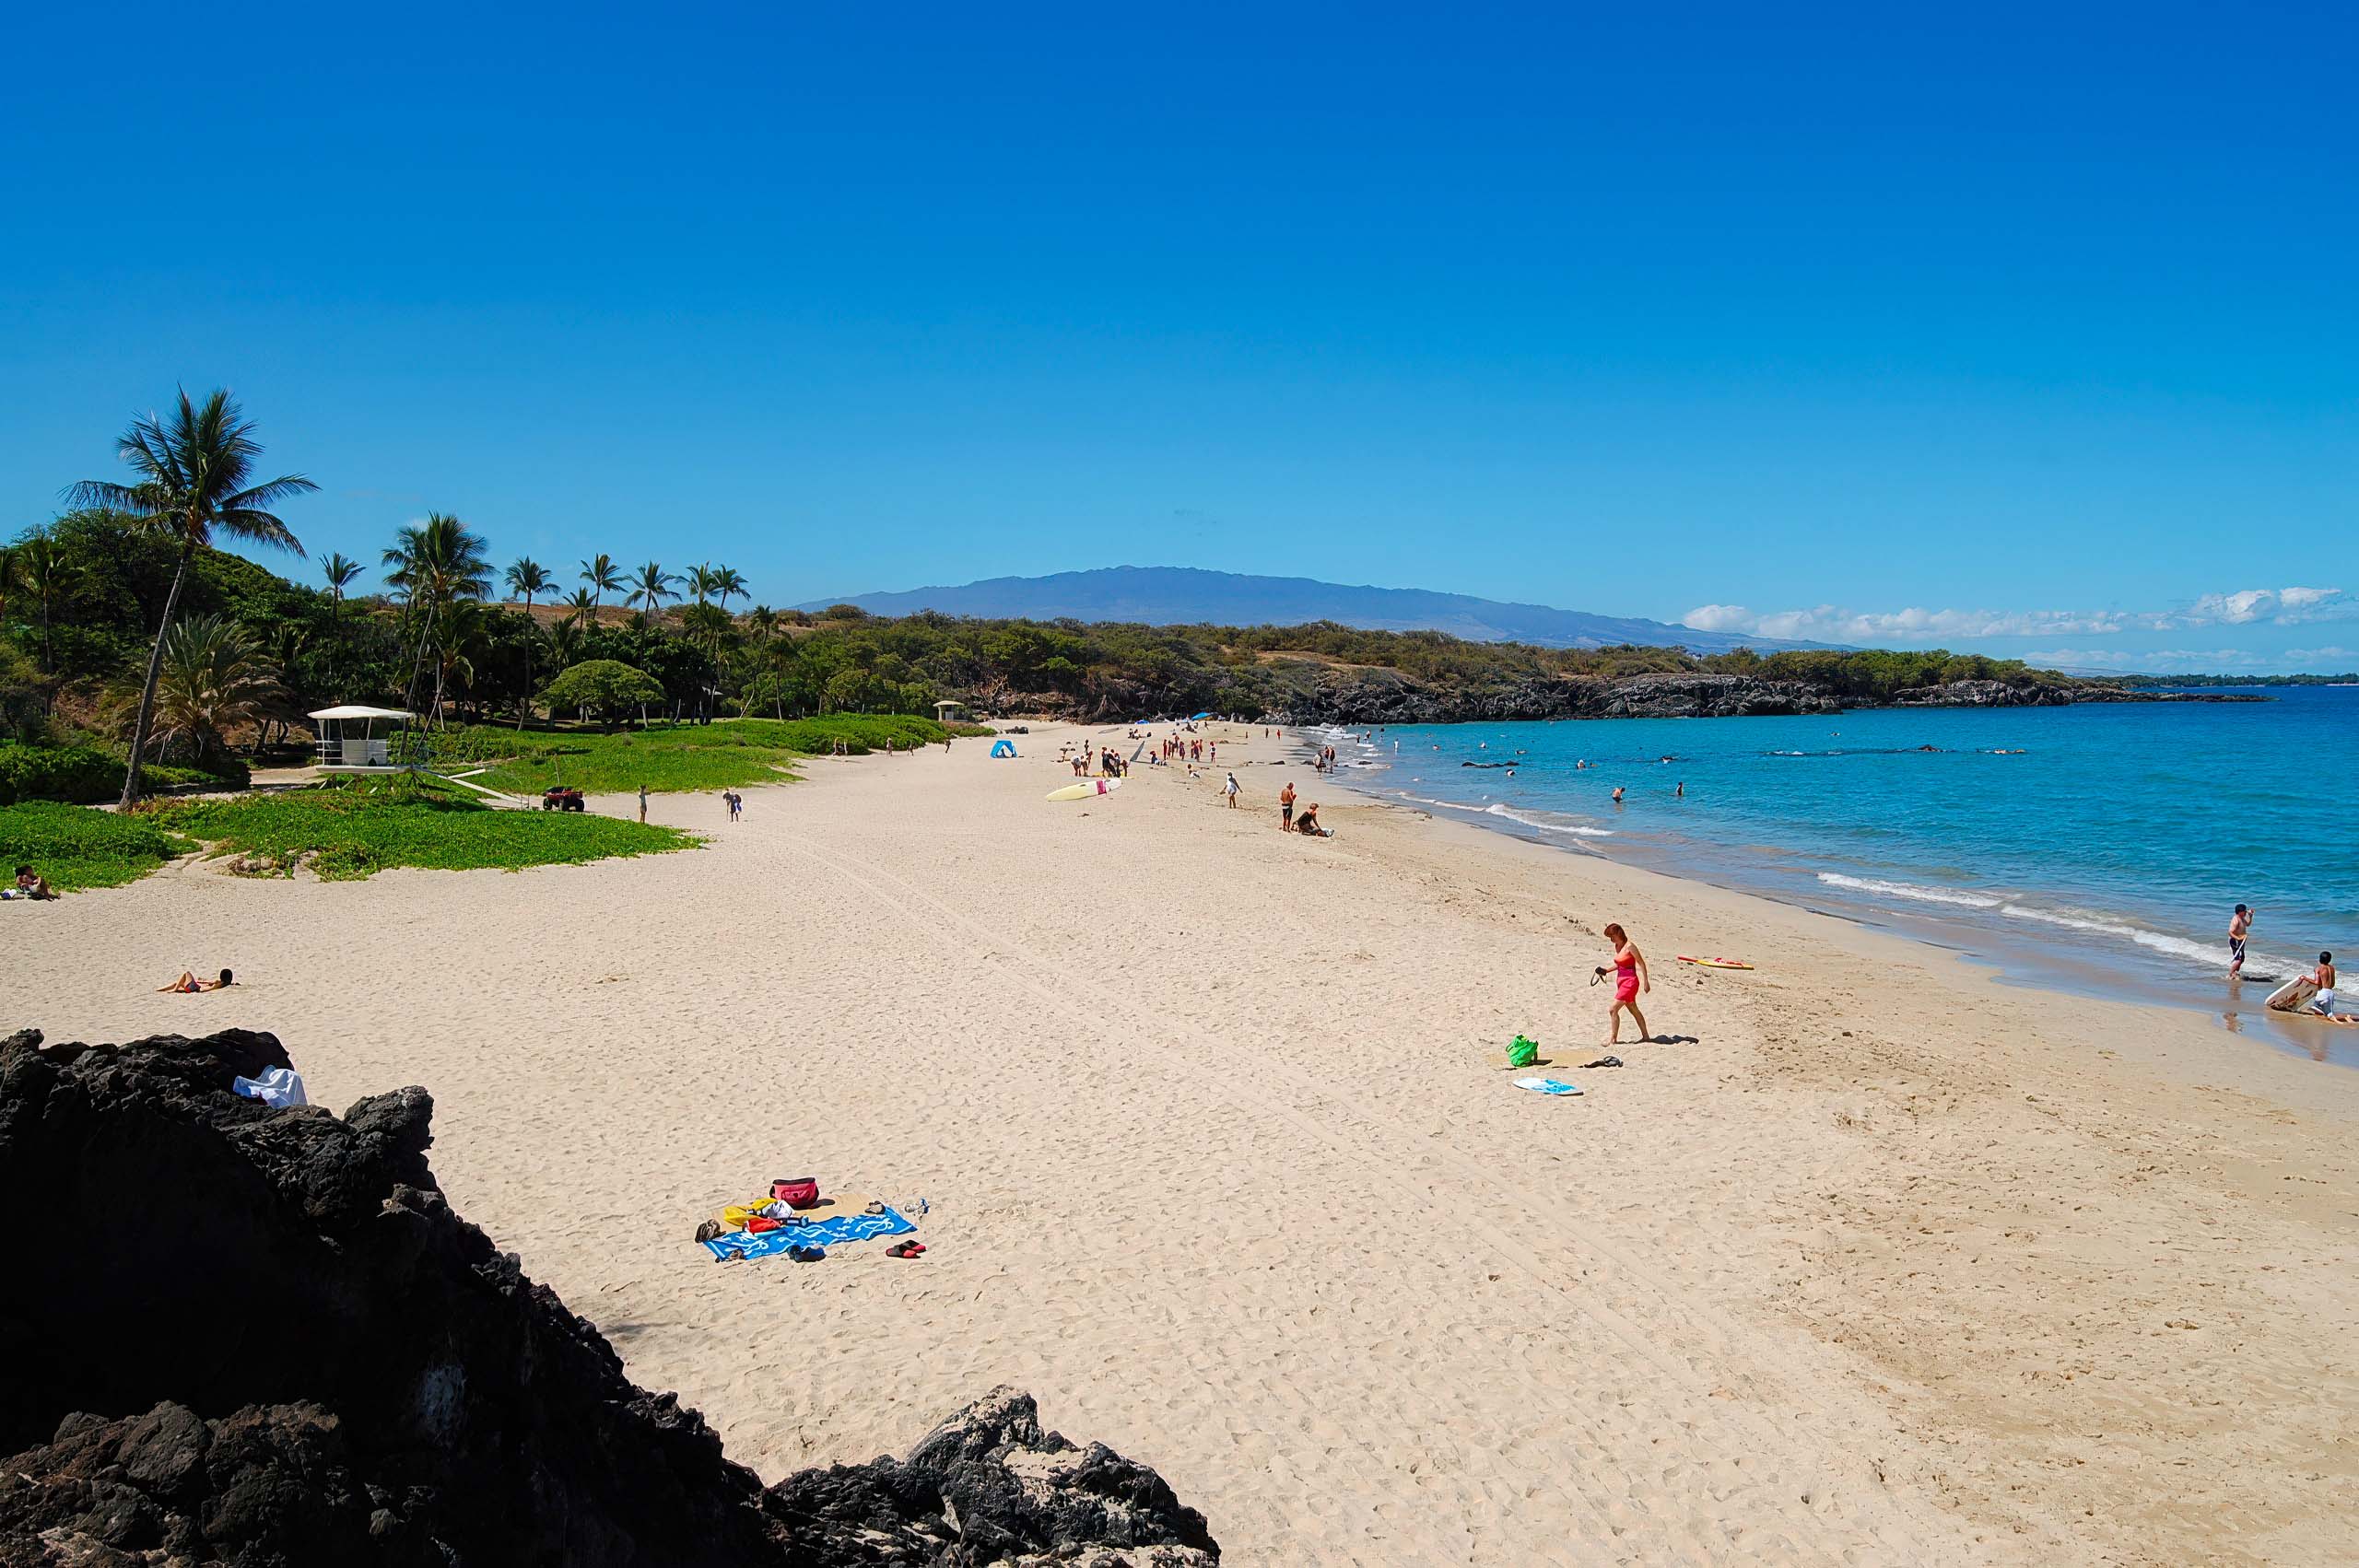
155, 674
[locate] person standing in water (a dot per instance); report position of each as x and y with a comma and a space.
1630, 981
2239, 927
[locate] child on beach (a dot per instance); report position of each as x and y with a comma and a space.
2322, 1004
2239, 927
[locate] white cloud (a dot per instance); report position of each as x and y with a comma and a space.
2197, 661
2284, 606
1828, 623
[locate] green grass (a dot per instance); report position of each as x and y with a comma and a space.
75, 847
672, 758
355, 830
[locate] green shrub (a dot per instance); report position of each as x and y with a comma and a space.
356, 829
75, 847
72, 774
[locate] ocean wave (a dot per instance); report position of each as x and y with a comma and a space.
1503, 811
1547, 826
2211, 954
1911, 890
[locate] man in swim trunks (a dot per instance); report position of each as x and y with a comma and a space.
2239, 927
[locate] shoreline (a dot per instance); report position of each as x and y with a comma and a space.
2085, 970
1881, 1261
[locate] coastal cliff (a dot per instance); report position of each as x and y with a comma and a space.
1386, 696
249, 1336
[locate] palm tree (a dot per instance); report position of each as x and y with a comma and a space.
526, 578
604, 576
44, 573
193, 481
213, 676
340, 570
728, 584
435, 565
652, 588
457, 633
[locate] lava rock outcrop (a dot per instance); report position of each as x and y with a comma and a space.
262, 1338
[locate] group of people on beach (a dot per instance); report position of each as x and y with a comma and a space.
1306, 821
2322, 1003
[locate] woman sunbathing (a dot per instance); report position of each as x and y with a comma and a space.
188, 982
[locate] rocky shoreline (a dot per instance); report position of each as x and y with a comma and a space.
253, 1336
1384, 696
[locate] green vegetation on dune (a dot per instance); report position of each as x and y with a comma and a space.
669, 758
355, 830
75, 847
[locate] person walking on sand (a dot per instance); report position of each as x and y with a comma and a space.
1630, 981
2239, 927
642, 802
1286, 808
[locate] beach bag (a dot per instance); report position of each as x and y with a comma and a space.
1522, 1052
796, 1192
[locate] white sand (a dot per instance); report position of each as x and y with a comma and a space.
1891, 1264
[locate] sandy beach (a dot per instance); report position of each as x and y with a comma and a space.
1880, 1261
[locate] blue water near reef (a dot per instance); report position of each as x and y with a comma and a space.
2104, 850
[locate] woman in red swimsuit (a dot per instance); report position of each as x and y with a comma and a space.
1629, 981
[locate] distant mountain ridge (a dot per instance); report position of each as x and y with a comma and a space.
1187, 596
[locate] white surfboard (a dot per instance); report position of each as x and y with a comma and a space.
2295, 993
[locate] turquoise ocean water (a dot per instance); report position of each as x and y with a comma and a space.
2100, 847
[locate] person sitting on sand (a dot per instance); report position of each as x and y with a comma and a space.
188, 982
33, 885
1630, 979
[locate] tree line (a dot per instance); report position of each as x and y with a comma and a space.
122, 619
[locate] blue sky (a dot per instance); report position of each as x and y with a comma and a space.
2030, 330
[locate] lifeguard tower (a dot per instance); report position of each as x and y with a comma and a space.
356, 740
351, 741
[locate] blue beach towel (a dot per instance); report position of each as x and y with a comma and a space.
832, 1231
1544, 1086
